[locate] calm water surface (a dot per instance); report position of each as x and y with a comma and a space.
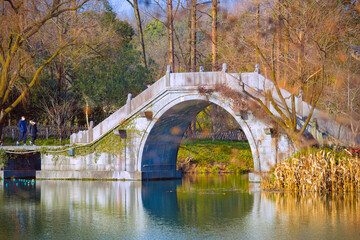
202, 207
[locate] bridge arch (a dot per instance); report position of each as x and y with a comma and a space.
160, 143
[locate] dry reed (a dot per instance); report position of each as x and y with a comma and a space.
317, 208
315, 172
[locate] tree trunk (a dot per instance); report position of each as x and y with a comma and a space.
286, 49
171, 35
193, 37
60, 134
60, 67
214, 34
278, 42
300, 55
2, 123
188, 38
141, 37
257, 31
87, 114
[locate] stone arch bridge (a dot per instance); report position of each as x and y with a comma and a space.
141, 139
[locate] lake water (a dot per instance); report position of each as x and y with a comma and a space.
196, 207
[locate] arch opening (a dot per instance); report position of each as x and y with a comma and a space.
160, 150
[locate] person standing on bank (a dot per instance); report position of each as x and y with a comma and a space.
33, 131
23, 130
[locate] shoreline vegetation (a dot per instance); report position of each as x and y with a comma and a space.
316, 170
218, 156
51, 141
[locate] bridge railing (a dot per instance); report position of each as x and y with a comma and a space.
254, 83
195, 79
149, 93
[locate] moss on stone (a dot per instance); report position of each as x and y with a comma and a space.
109, 143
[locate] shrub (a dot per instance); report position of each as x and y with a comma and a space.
3, 158
215, 169
235, 168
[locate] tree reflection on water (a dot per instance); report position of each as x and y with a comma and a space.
217, 207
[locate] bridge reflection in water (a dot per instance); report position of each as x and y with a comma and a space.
218, 207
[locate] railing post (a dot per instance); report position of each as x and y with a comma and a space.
299, 104
13, 134
224, 68
223, 73
257, 70
47, 133
168, 71
90, 131
128, 103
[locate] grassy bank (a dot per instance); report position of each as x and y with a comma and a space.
39, 142
316, 170
207, 156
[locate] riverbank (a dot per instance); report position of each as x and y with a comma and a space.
207, 156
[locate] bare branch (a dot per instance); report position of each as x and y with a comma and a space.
34, 28
15, 8
132, 5
273, 77
36, 75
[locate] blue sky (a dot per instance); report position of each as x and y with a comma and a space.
122, 8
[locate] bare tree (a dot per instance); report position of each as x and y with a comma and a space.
60, 111
193, 36
169, 24
135, 6
20, 22
297, 38
214, 34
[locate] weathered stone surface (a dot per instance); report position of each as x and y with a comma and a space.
86, 174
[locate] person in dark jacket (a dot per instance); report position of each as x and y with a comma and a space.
23, 130
33, 131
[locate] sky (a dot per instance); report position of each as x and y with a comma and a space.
122, 8
125, 11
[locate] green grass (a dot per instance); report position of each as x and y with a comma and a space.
205, 156
39, 142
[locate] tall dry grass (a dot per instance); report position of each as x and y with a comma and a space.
315, 172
